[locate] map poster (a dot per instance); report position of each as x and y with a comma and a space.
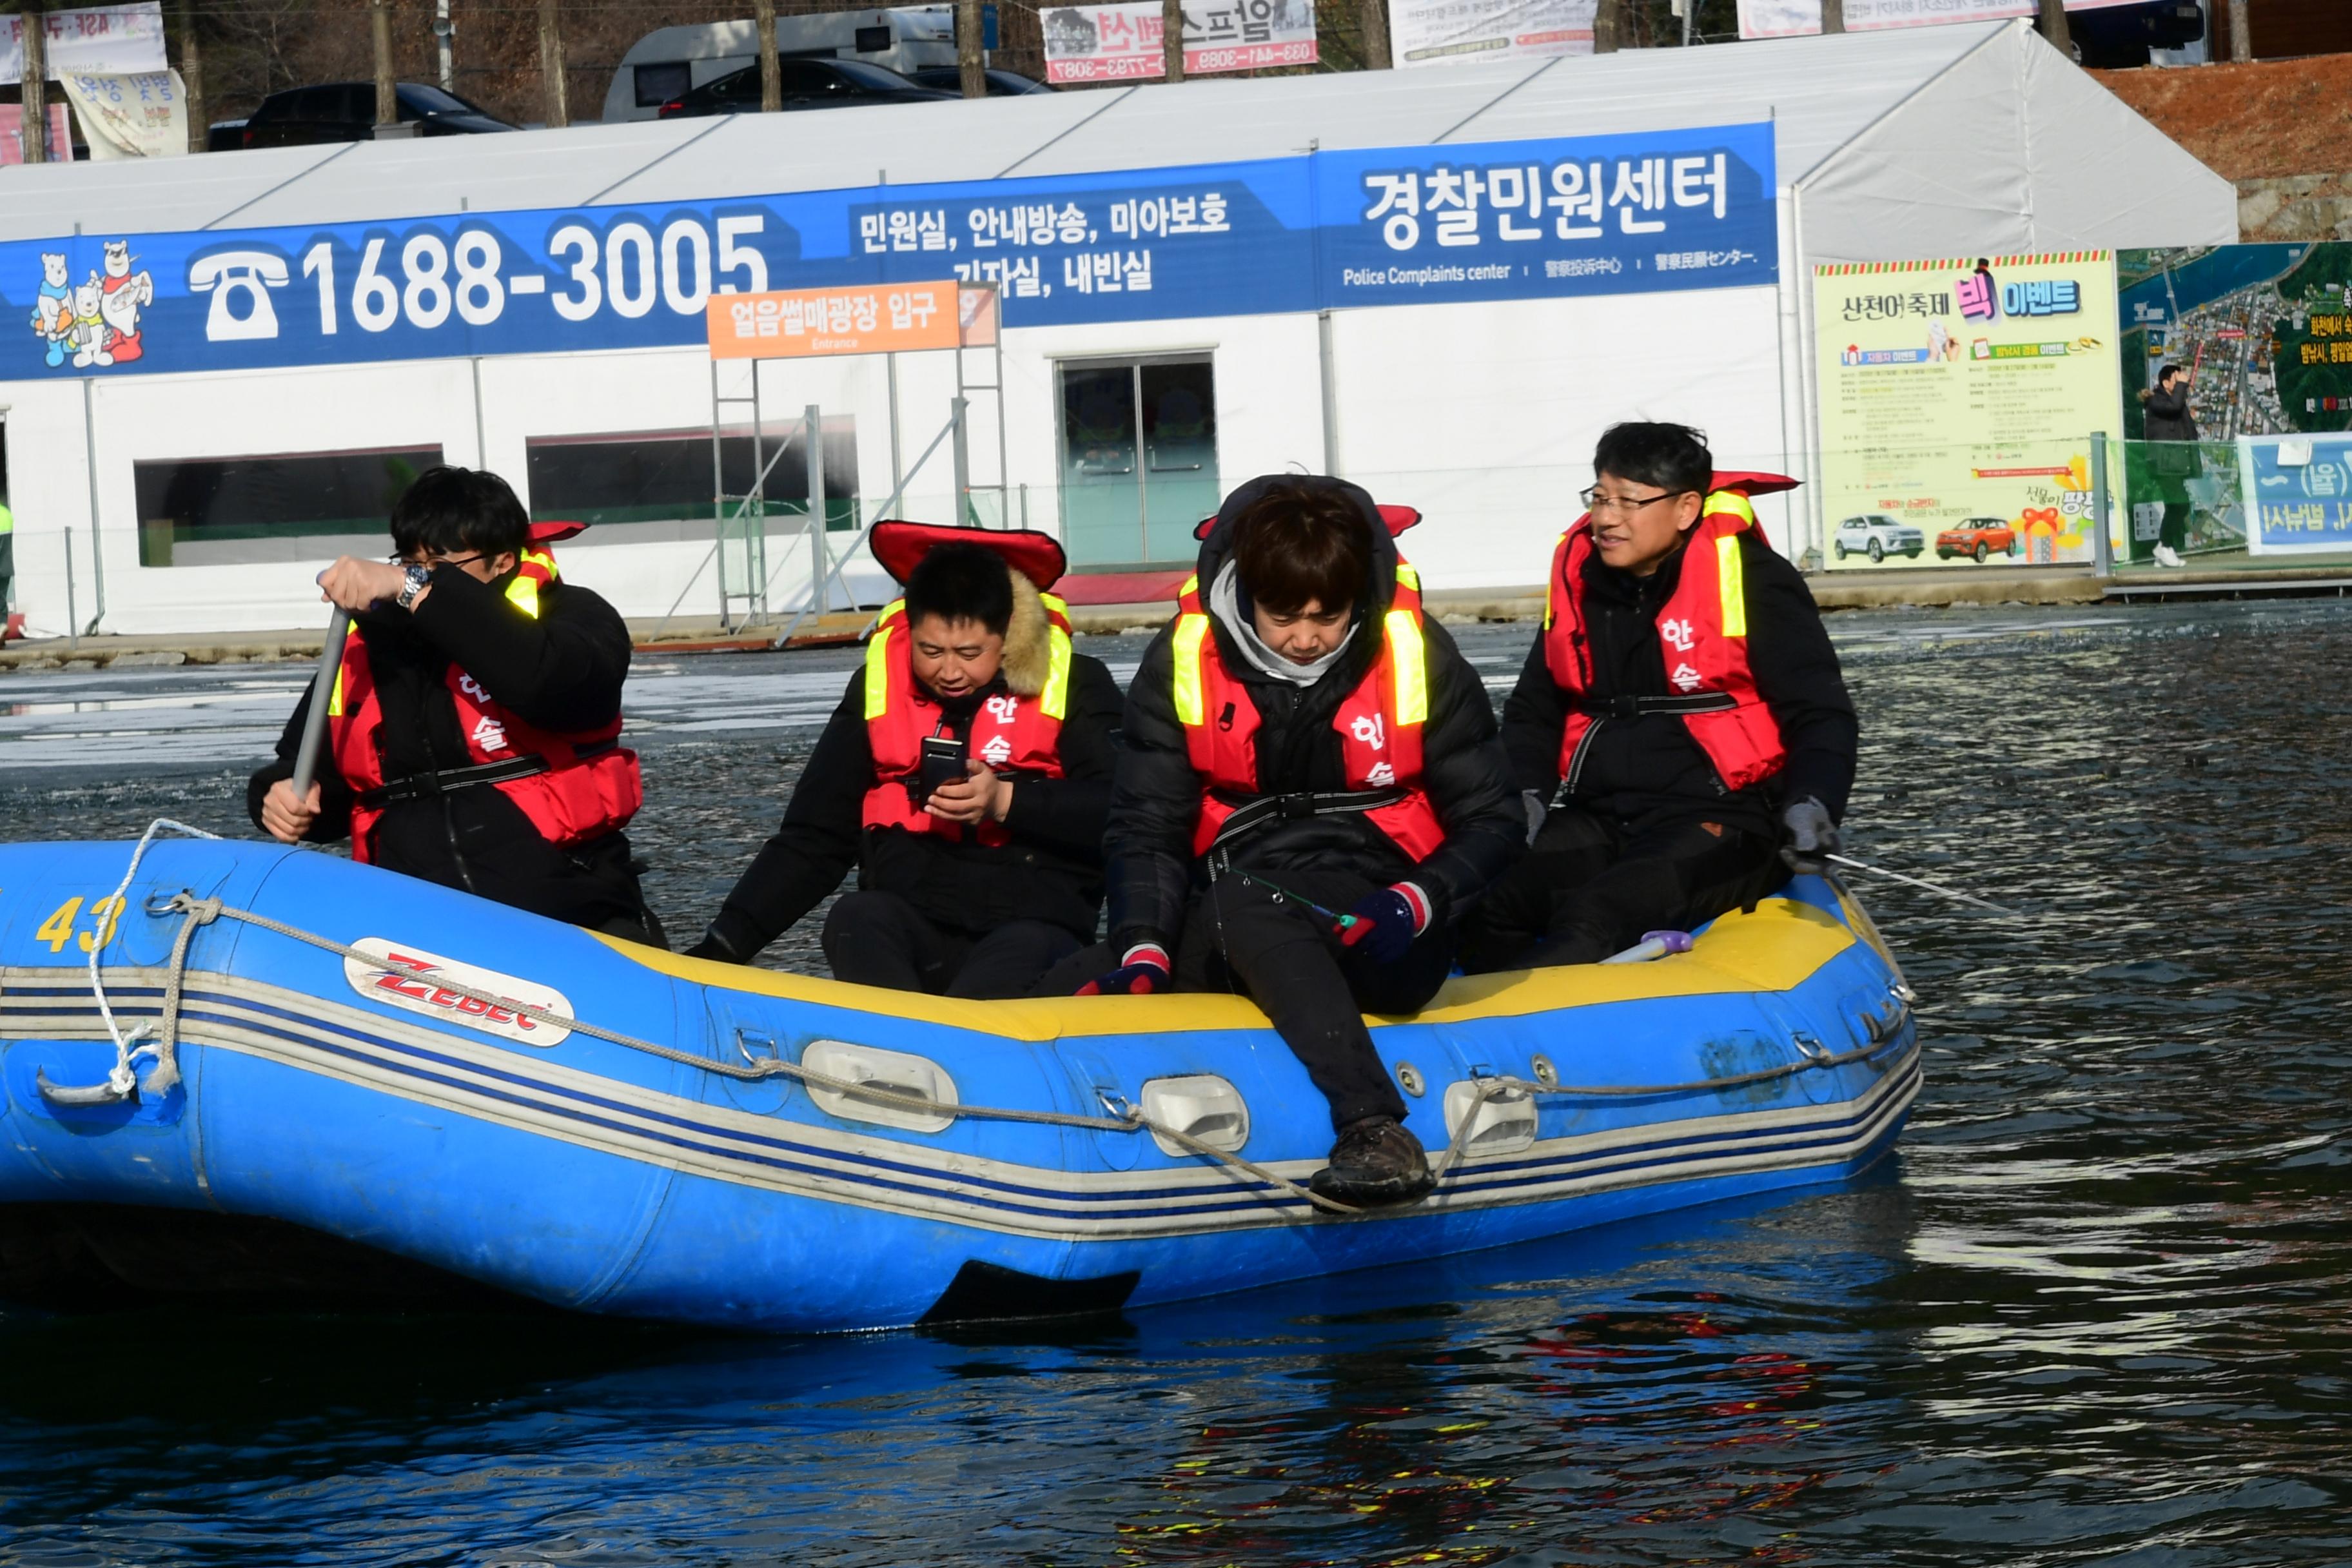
1958, 398
2264, 334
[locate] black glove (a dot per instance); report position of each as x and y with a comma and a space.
1808, 833
1384, 923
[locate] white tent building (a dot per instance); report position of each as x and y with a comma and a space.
1936, 141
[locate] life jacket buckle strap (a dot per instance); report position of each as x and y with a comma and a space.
447, 781
1629, 707
1262, 810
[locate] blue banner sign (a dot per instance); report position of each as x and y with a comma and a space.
1517, 220
2298, 491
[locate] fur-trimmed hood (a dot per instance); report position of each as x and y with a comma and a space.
1028, 642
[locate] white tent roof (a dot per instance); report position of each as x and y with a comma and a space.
1909, 143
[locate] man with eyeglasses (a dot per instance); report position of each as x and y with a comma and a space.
1681, 730
473, 733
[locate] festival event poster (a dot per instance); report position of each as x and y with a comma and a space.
1445, 32
1641, 213
1957, 401
1124, 41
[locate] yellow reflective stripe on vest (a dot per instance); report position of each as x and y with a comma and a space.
1192, 693
1054, 604
1412, 667
335, 697
877, 662
523, 592
1733, 502
1053, 699
1731, 583
1407, 577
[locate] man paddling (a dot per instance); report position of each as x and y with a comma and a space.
473, 731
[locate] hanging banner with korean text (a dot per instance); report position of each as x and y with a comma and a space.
1124, 42
1639, 213
1957, 402
1443, 32
142, 115
1791, 18
104, 40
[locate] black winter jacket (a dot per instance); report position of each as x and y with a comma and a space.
1156, 799
1051, 871
562, 671
2168, 416
1646, 771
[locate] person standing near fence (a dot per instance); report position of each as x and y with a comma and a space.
2170, 419
7, 565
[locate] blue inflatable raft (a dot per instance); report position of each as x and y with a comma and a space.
252, 1036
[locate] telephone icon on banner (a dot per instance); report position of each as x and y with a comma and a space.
240, 282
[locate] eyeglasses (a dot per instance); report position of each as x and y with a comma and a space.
437, 560
1594, 501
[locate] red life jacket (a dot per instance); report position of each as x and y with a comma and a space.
573, 787
1010, 734
1380, 726
1702, 631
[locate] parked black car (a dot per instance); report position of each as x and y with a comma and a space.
807, 84
1000, 83
345, 111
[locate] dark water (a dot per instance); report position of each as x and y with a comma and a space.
2094, 1312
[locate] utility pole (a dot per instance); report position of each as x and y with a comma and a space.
772, 74
2242, 31
556, 110
444, 31
2054, 28
971, 62
1607, 25
1832, 15
1171, 39
387, 101
192, 77
1375, 15
36, 82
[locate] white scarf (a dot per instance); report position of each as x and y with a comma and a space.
1225, 604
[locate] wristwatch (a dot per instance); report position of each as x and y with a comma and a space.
415, 580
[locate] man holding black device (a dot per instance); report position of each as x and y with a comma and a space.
966, 775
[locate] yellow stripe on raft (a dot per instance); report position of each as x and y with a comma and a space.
1778, 948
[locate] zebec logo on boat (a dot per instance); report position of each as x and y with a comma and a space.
419, 982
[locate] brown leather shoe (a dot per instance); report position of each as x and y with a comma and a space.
1375, 1163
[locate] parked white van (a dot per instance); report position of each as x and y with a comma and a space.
669, 62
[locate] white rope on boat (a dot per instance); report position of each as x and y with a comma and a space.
123, 1081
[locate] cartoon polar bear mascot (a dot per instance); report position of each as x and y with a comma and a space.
53, 312
123, 294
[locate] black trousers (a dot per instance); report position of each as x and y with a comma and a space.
1256, 937
881, 939
1588, 888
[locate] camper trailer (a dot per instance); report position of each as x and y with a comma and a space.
669, 62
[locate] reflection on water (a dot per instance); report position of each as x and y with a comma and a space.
2093, 1313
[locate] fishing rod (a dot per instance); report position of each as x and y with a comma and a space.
1922, 882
